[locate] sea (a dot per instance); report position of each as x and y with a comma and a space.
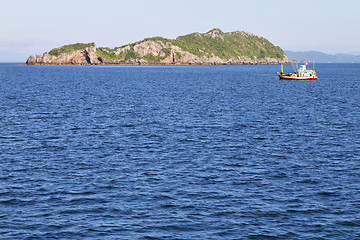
179, 152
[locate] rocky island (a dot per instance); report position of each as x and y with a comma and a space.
212, 48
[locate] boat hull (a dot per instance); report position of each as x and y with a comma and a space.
283, 77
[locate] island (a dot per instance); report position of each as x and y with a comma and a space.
212, 48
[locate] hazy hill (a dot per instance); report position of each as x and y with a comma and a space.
320, 57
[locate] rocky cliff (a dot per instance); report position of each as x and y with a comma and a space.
213, 47
86, 56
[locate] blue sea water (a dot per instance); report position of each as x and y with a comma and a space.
182, 152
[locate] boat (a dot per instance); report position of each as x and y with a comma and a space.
301, 73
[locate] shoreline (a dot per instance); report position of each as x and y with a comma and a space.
155, 64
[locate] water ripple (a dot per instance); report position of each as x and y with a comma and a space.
196, 152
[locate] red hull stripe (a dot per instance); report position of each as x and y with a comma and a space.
292, 78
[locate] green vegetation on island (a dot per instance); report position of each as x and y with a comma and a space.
228, 45
69, 48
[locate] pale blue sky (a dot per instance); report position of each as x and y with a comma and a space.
36, 26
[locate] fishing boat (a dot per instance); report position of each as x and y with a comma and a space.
301, 73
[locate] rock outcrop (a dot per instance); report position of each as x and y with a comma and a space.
86, 56
212, 48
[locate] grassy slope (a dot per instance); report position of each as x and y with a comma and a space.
69, 48
230, 45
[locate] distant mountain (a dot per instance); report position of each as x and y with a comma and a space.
320, 57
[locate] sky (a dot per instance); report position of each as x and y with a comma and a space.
37, 26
